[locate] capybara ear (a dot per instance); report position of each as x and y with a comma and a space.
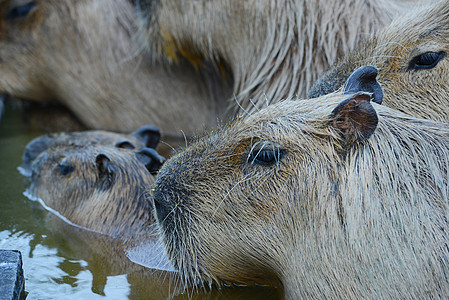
125, 145
105, 168
34, 148
355, 117
364, 80
151, 159
149, 135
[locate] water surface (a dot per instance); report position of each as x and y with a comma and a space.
64, 262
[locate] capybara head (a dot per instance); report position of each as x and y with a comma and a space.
335, 197
96, 187
84, 55
411, 57
147, 136
274, 49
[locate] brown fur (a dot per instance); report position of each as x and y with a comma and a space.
146, 136
327, 218
273, 49
421, 93
105, 196
83, 54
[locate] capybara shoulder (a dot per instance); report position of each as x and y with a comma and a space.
411, 55
338, 198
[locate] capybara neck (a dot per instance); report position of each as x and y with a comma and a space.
274, 49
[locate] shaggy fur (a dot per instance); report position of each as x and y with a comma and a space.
83, 54
394, 51
340, 214
273, 49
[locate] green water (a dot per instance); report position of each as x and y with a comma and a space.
63, 262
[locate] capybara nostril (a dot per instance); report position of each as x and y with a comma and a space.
364, 80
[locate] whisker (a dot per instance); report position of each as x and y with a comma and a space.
167, 144
251, 101
185, 138
241, 107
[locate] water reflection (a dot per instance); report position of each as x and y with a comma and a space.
62, 261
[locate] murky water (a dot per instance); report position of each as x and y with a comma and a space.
64, 262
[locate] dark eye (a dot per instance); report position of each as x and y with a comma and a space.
426, 60
21, 10
65, 169
266, 156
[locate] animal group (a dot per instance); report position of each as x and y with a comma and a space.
321, 158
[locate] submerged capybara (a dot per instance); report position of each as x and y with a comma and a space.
96, 187
147, 136
84, 55
411, 55
332, 198
273, 49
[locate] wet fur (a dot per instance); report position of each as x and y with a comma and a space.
115, 205
329, 220
75, 139
84, 55
273, 49
421, 93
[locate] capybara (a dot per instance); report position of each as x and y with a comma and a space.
84, 55
411, 57
147, 136
332, 198
273, 49
96, 187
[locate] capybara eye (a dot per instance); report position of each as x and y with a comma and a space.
426, 60
21, 11
65, 169
266, 156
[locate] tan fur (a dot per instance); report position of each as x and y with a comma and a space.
421, 93
274, 49
114, 206
81, 139
332, 218
83, 54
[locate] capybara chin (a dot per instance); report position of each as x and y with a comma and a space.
331, 198
411, 55
96, 187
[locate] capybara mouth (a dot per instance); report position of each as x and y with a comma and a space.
176, 222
